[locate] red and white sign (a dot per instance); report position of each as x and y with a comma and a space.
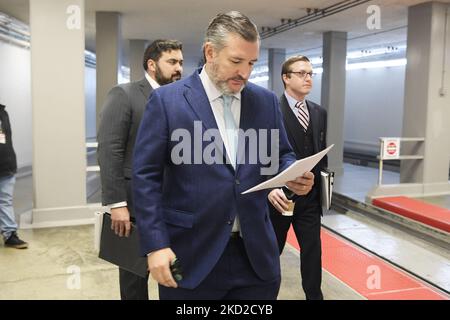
391, 148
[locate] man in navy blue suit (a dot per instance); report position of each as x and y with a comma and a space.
202, 142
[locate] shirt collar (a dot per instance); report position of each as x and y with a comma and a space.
292, 101
210, 88
152, 82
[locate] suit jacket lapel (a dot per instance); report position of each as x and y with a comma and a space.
314, 121
145, 88
291, 123
197, 99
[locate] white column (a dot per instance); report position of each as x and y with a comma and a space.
333, 94
107, 49
58, 102
427, 97
276, 60
137, 49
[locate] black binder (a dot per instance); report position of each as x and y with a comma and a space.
122, 251
327, 182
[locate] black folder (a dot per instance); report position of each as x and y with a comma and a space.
327, 181
122, 251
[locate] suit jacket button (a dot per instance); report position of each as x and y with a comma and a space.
237, 182
229, 222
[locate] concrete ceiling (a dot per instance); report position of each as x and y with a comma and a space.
187, 20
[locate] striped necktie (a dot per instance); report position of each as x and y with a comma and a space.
302, 115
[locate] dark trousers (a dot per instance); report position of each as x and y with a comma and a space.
232, 278
306, 224
132, 286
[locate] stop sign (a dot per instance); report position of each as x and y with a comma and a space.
391, 148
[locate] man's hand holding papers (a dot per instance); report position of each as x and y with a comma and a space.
301, 185
297, 177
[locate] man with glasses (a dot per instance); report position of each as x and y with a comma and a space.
306, 125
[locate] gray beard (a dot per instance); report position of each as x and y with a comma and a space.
221, 84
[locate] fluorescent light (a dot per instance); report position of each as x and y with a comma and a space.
260, 69
349, 66
318, 70
316, 60
259, 79
375, 51
376, 64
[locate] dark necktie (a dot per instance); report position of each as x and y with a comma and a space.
302, 114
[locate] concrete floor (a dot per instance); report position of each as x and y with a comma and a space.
49, 269
427, 260
357, 181
46, 269
332, 288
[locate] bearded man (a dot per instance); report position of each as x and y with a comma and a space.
119, 123
223, 241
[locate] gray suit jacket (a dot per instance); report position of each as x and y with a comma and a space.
119, 122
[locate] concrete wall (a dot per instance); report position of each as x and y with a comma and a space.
15, 93
373, 106
374, 102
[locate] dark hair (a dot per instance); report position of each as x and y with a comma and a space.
156, 48
286, 68
231, 22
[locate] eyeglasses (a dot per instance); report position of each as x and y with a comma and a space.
303, 74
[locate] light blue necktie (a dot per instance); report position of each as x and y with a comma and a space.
232, 135
230, 127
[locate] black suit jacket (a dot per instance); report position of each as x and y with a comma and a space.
119, 123
318, 120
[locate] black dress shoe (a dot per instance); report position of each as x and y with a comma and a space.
14, 242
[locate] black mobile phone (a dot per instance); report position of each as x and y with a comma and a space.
175, 269
288, 193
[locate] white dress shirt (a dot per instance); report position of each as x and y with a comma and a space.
292, 101
152, 81
214, 97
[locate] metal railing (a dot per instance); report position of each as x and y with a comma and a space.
382, 156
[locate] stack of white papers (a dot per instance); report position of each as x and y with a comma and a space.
297, 169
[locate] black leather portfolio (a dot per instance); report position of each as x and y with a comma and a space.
327, 181
122, 251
